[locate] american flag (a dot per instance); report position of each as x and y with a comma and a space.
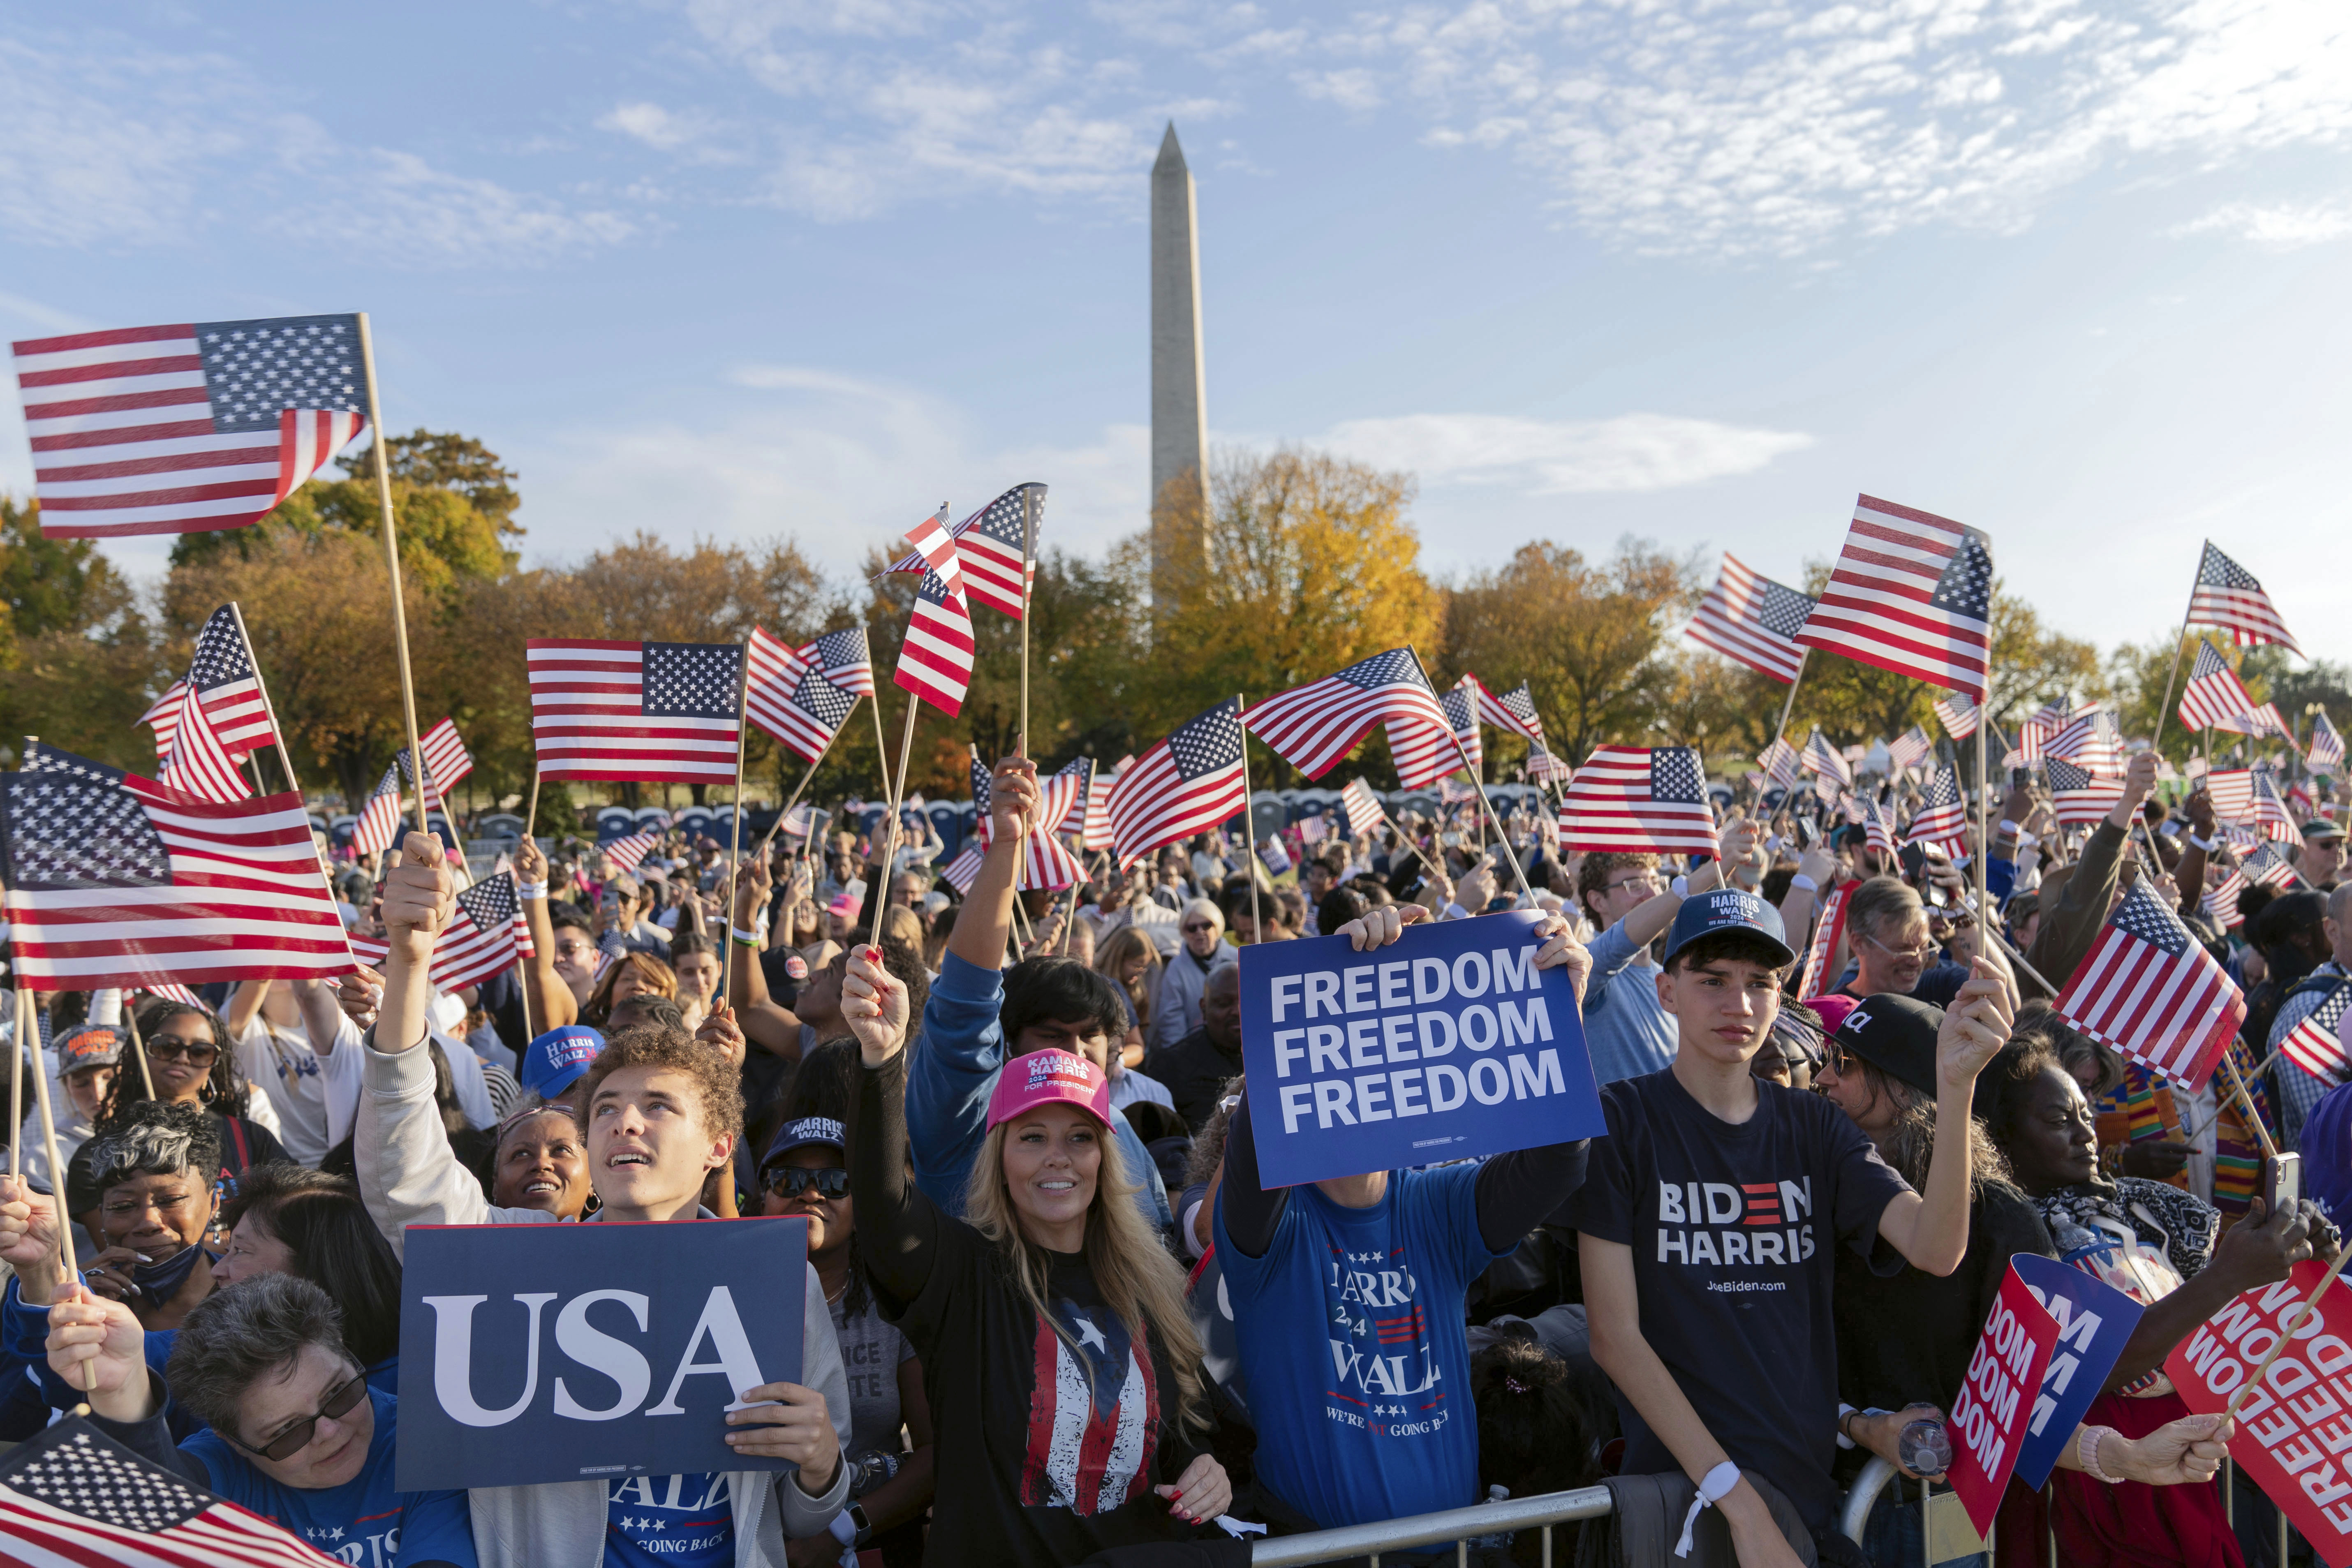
2214, 696
2221, 900
1365, 813
1544, 766
787, 698
1194, 780
843, 659
1752, 619
1944, 817
223, 713
1877, 827
1911, 750
628, 854
483, 939
1640, 798
1046, 860
1098, 833
2266, 866
964, 871
658, 712
446, 762
1821, 757
935, 661
379, 819
2090, 740
2227, 596
2152, 992
114, 880
1817, 975
71, 1495
164, 716
1514, 710
1074, 819
2249, 797
1779, 763
2326, 754
2078, 796
1461, 706
1454, 792
1314, 725
2266, 719
990, 542
1957, 713
2316, 1045
799, 821
172, 992
188, 428
1911, 593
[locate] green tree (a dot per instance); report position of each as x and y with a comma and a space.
77, 658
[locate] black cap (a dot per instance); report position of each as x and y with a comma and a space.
1896, 1035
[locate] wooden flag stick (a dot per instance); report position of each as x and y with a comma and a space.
392, 565
891, 854
735, 835
57, 1178
17, 1073
1028, 549
1517, 870
881, 747
138, 1046
1789, 702
1984, 818
1249, 822
2246, 1098
2286, 1329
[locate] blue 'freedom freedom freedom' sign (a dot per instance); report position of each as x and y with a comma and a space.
1447, 1043
2095, 1322
521, 1361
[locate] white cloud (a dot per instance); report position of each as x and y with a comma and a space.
654, 126
109, 145
2286, 226
1632, 452
1354, 89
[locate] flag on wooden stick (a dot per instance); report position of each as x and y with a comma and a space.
1648, 800
656, 711
223, 713
2149, 991
1194, 781
1313, 726
2228, 597
1911, 593
1752, 619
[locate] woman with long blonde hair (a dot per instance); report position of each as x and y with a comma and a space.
1133, 963
631, 975
1050, 1321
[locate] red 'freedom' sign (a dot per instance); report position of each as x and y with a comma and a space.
1995, 1406
2294, 1429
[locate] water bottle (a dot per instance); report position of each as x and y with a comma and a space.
1499, 1541
1925, 1447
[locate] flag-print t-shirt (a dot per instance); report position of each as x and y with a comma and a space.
1731, 1229
683, 1522
1370, 1416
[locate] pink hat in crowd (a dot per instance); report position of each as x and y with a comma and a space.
1045, 1077
844, 905
1832, 1009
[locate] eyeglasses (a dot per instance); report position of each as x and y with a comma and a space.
1923, 951
793, 1182
1646, 879
195, 1053
341, 1401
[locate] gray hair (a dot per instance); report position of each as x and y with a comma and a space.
155, 1138
2339, 906
1881, 902
236, 1336
1204, 907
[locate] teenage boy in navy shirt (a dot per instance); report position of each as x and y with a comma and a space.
1348, 1303
1707, 1215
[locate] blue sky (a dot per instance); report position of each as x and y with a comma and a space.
2071, 272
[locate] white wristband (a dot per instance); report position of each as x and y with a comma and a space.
1682, 887
841, 1528
748, 938
1714, 1488
2204, 844
534, 893
1802, 883
2026, 840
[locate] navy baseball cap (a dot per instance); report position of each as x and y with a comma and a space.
819, 1131
553, 1062
1727, 909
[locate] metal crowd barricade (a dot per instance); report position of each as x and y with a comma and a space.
1458, 1525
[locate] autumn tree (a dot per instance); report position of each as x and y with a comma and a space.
1588, 636
77, 653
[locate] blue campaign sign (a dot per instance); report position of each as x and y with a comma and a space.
522, 1360
1447, 1043
2094, 1321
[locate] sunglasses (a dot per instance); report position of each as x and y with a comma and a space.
192, 1052
341, 1401
792, 1182
1192, 926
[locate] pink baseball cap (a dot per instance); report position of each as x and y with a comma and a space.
1045, 1077
1832, 1009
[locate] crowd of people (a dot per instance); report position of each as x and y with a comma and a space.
1052, 1313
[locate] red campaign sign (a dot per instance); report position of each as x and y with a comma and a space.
2294, 1429
1995, 1406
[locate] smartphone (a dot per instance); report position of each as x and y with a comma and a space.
2020, 777
2282, 1182
1449, 838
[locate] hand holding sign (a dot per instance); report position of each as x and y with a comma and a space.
874, 1005
788, 1422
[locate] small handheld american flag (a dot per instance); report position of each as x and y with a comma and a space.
1944, 817
2316, 1045
2249, 797
1365, 814
2149, 991
1313, 726
2326, 754
187, 428
843, 659
379, 819
1752, 619
1514, 710
1194, 781
990, 542
2078, 797
484, 937
1779, 763
936, 661
2215, 697
1046, 860
627, 854
1821, 758
446, 763
1957, 713
2228, 595
1911, 593
223, 713
1817, 974
1639, 798
1461, 706
789, 699
1911, 749
656, 711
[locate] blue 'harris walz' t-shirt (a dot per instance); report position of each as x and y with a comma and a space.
669, 1521
363, 1522
1371, 1418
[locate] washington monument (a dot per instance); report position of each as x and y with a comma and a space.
1180, 420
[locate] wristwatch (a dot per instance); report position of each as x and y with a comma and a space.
865, 1526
